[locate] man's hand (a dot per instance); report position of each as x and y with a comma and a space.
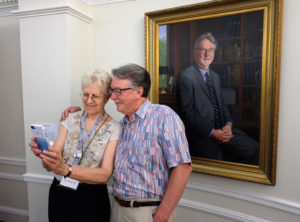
218, 135
66, 112
223, 135
178, 179
159, 218
227, 132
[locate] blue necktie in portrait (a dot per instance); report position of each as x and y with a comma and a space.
213, 99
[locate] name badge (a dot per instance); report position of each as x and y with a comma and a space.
69, 183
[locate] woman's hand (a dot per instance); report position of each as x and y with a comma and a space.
34, 147
53, 161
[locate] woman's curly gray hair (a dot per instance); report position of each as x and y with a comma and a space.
98, 77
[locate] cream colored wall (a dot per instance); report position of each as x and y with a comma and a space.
115, 37
13, 190
46, 90
118, 38
55, 51
11, 97
32, 4
79, 55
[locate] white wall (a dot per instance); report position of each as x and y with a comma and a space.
118, 38
13, 190
45, 71
51, 65
55, 51
79, 55
46, 88
10, 97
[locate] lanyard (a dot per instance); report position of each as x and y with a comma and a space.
82, 140
78, 155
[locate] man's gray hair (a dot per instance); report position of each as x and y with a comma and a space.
137, 75
207, 36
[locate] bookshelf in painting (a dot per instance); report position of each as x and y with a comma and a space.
238, 62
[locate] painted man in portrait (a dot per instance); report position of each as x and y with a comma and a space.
201, 106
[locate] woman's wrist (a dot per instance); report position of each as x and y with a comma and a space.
69, 170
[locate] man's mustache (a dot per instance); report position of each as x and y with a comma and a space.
207, 58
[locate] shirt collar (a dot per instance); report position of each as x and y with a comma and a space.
141, 112
143, 109
203, 71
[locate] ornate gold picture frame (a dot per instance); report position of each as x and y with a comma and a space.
247, 62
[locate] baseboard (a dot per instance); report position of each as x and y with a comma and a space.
38, 178
289, 207
12, 161
195, 205
218, 211
11, 176
276, 203
16, 177
14, 211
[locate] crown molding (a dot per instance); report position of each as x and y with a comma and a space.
52, 11
6, 9
102, 2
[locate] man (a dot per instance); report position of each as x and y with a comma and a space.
202, 109
152, 161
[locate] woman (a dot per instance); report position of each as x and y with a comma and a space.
84, 155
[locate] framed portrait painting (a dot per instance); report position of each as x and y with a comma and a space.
217, 64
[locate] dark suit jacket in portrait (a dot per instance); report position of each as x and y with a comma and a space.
197, 113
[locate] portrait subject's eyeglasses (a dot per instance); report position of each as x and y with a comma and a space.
117, 91
94, 97
204, 50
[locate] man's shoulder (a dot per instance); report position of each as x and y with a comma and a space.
188, 70
162, 110
115, 123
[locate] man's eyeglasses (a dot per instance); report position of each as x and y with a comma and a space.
204, 50
117, 91
86, 96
